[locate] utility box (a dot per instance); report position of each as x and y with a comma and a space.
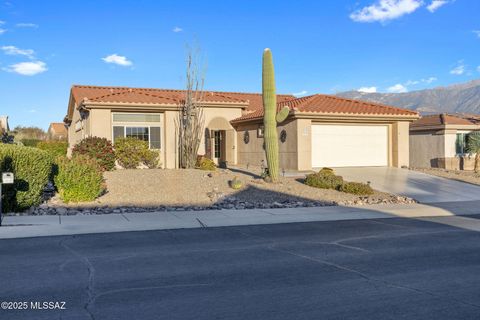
7, 178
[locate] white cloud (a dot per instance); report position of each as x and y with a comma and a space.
301, 93
384, 10
177, 29
2, 22
435, 4
477, 32
26, 25
398, 88
116, 59
459, 69
367, 89
429, 80
2, 31
27, 68
14, 51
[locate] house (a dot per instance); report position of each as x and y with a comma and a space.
321, 130
440, 140
4, 124
57, 131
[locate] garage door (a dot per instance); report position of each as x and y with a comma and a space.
349, 146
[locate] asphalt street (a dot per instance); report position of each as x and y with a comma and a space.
362, 269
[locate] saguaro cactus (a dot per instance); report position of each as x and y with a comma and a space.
271, 117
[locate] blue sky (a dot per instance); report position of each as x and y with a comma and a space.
318, 46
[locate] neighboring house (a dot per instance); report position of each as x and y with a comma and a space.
320, 131
440, 141
4, 124
57, 131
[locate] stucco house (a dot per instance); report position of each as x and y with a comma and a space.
57, 131
321, 130
440, 140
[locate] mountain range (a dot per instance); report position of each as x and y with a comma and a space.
457, 98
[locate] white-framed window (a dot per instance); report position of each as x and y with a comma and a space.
143, 126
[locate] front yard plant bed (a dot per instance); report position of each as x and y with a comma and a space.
192, 189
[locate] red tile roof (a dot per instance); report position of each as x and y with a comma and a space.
443, 119
58, 128
320, 103
162, 96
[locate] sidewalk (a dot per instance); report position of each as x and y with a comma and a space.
38, 226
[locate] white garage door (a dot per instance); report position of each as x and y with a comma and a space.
349, 146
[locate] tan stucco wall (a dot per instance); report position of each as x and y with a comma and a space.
426, 148
304, 144
75, 136
253, 152
400, 144
100, 123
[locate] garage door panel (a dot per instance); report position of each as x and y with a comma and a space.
349, 145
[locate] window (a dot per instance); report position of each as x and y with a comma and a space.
218, 139
136, 117
151, 135
260, 132
141, 133
461, 143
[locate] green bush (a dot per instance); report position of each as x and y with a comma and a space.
54, 148
99, 149
32, 169
30, 142
132, 152
324, 180
236, 183
357, 188
78, 179
204, 163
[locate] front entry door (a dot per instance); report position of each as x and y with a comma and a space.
218, 146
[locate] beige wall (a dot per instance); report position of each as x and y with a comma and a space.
400, 144
253, 152
74, 135
426, 148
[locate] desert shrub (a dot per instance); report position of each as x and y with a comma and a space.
30, 142
32, 168
236, 183
78, 179
132, 152
204, 163
54, 148
324, 180
326, 171
99, 149
358, 188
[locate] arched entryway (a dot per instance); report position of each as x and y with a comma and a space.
220, 141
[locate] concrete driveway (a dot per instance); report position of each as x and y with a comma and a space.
422, 187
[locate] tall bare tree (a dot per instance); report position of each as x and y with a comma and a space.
191, 119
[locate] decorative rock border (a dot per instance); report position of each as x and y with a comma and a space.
231, 203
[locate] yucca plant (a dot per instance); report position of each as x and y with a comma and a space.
473, 147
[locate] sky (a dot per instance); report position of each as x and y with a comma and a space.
323, 46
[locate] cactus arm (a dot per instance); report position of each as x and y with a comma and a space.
283, 114
269, 121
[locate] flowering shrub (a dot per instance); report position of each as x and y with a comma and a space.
99, 149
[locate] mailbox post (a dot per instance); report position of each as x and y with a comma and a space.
7, 178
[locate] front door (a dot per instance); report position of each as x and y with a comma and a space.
218, 146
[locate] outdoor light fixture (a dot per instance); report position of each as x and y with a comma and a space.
7, 178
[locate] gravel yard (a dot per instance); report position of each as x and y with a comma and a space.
157, 190
459, 175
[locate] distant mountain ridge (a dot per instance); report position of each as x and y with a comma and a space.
457, 98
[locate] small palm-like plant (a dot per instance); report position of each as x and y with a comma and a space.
473, 147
